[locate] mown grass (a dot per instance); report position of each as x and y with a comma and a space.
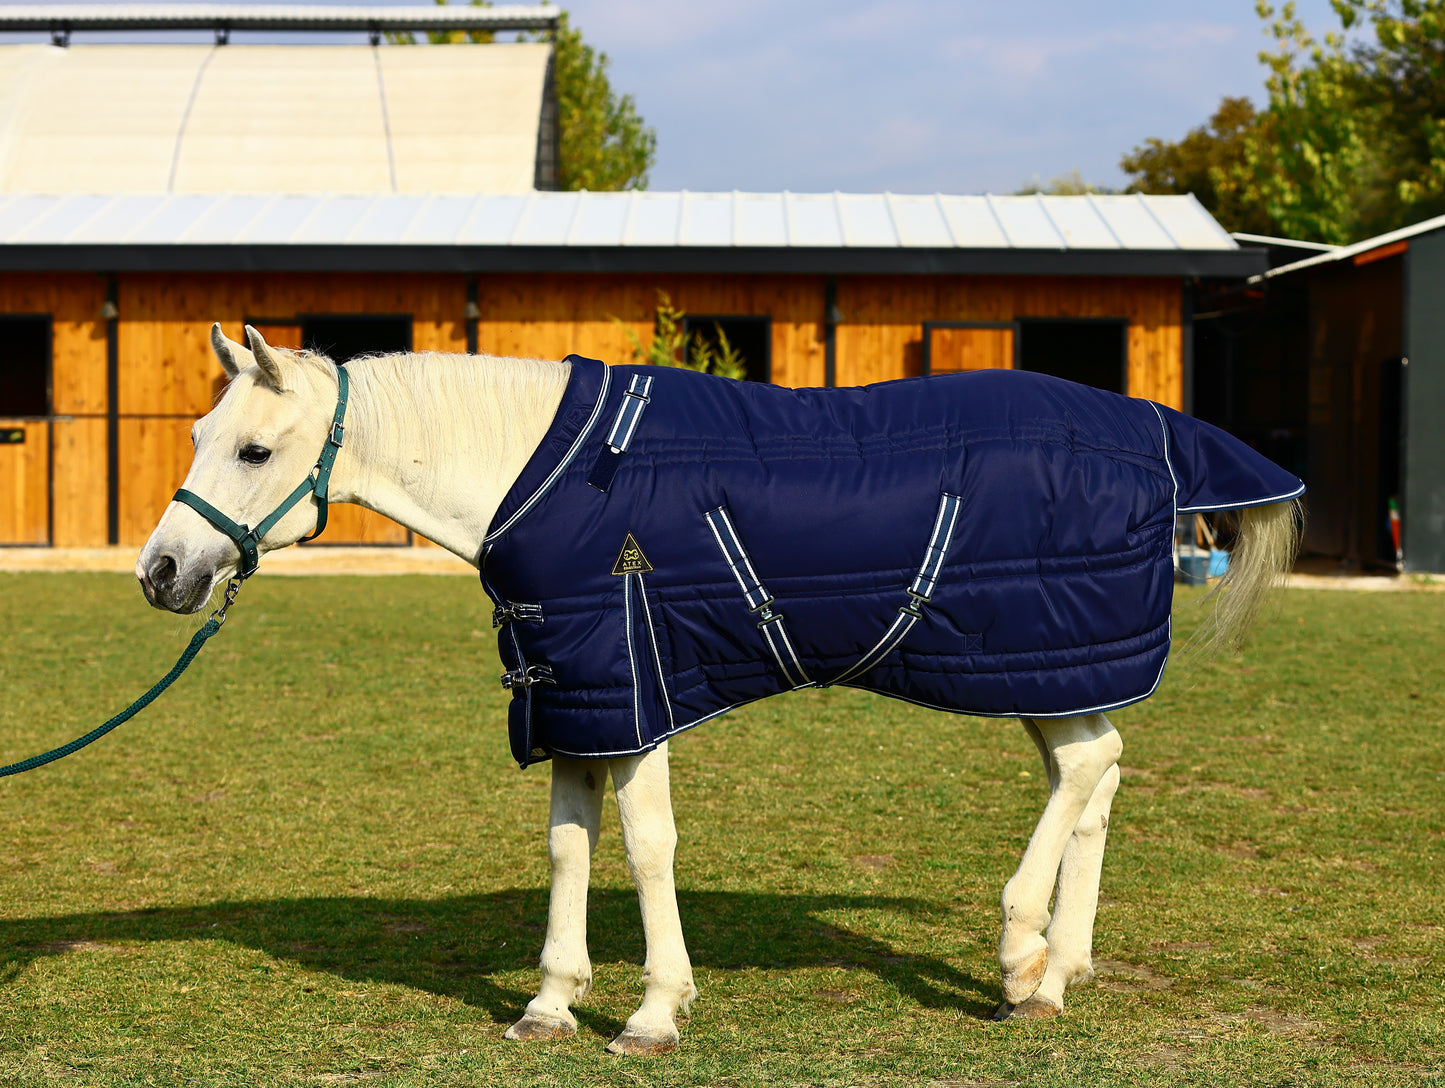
313, 863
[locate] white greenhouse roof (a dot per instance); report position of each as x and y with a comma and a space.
196, 119
628, 219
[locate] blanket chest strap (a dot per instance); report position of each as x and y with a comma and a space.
920, 591
629, 414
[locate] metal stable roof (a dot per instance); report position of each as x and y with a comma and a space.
842, 232
1346, 253
71, 17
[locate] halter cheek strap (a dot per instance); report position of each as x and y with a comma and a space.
247, 540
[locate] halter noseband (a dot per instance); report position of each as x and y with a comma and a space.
247, 539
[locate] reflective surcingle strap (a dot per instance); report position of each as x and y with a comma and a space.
919, 593
759, 600
629, 414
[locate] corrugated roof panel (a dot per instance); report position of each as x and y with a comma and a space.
226, 219
920, 222
493, 221
653, 220
119, 220
546, 220
707, 219
333, 221
972, 222
759, 220
1025, 224
1079, 222
812, 219
173, 219
1186, 221
388, 219
279, 220
440, 220
47, 218
1130, 219
866, 220
600, 219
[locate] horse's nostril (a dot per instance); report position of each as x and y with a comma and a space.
163, 574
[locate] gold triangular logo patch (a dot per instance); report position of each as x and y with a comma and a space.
631, 560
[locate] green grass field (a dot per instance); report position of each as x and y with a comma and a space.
313, 862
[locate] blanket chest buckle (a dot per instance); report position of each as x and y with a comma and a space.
525, 678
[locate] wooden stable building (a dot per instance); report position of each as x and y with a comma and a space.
106, 305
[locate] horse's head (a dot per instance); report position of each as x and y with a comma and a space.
252, 450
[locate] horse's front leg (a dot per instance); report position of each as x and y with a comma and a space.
1067, 847
576, 817
644, 802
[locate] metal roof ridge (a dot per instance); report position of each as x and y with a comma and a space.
108, 203
581, 201
892, 218
1063, 239
139, 225
947, 226
1094, 204
998, 220
1149, 211
427, 200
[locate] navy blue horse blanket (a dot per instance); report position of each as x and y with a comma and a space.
994, 543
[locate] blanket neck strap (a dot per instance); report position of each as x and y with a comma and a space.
247, 540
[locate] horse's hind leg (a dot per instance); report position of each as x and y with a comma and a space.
645, 804
1067, 847
576, 818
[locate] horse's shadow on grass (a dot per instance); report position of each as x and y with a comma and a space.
455, 947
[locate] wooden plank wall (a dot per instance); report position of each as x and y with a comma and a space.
75, 437
168, 375
551, 316
881, 335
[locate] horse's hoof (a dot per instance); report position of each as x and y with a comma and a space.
538, 1029
632, 1042
1020, 982
1034, 1008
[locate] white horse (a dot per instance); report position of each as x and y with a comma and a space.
435, 441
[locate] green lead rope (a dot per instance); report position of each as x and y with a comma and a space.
198, 640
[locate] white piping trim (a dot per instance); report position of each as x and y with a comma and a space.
567, 459
632, 657
656, 655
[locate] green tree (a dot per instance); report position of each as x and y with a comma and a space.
1399, 84
1209, 162
602, 142
1351, 143
1070, 184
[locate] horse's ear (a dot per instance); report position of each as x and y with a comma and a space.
271, 366
234, 358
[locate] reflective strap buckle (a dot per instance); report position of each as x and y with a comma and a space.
915, 604
524, 613
525, 678
338, 433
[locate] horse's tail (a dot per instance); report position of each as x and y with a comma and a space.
1264, 551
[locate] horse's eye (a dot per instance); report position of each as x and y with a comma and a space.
254, 455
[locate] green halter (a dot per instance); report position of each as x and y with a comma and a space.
247, 539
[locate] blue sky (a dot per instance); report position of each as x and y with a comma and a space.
917, 96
